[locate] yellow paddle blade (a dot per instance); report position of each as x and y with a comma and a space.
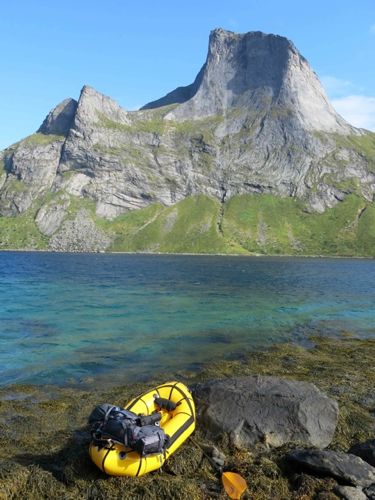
234, 484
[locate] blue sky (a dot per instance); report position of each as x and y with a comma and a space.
137, 52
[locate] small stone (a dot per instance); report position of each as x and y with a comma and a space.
217, 456
342, 466
350, 493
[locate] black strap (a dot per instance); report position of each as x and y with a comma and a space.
165, 404
140, 463
105, 456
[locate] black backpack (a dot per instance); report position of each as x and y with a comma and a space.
111, 424
148, 439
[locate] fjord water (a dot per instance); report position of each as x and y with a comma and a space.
73, 318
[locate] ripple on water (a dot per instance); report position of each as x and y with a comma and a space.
66, 318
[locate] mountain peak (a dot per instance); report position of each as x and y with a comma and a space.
92, 104
260, 73
60, 119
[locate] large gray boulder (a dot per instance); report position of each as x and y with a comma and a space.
345, 467
266, 409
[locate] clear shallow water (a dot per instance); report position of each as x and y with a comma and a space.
69, 318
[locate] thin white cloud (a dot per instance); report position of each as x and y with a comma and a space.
337, 87
372, 29
233, 23
359, 110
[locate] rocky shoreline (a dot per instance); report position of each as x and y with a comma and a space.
296, 423
193, 254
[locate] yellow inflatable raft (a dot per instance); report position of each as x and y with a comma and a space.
116, 460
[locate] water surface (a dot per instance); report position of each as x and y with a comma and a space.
73, 318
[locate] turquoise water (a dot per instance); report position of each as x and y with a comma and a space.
73, 318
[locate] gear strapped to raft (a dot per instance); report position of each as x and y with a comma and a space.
142, 433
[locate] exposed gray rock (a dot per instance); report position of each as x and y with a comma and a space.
370, 492
51, 215
365, 450
79, 235
261, 72
60, 119
31, 168
217, 456
266, 409
344, 467
74, 184
350, 493
3, 178
94, 106
179, 95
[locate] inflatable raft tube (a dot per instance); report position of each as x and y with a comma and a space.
177, 424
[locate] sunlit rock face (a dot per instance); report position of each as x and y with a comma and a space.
255, 120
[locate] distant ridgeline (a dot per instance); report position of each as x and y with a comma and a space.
250, 158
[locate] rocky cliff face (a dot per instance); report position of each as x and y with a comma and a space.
257, 73
255, 121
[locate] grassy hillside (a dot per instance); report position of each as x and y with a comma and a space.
189, 226
21, 233
246, 224
270, 225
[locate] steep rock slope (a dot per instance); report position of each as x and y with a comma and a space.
257, 72
255, 121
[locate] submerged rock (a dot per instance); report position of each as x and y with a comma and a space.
267, 409
345, 467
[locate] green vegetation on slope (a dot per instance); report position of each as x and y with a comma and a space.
149, 124
245, 224
34, 140
42, 139
189, 226
270, 225
21, 233
361, 144
153, 121
248, 224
